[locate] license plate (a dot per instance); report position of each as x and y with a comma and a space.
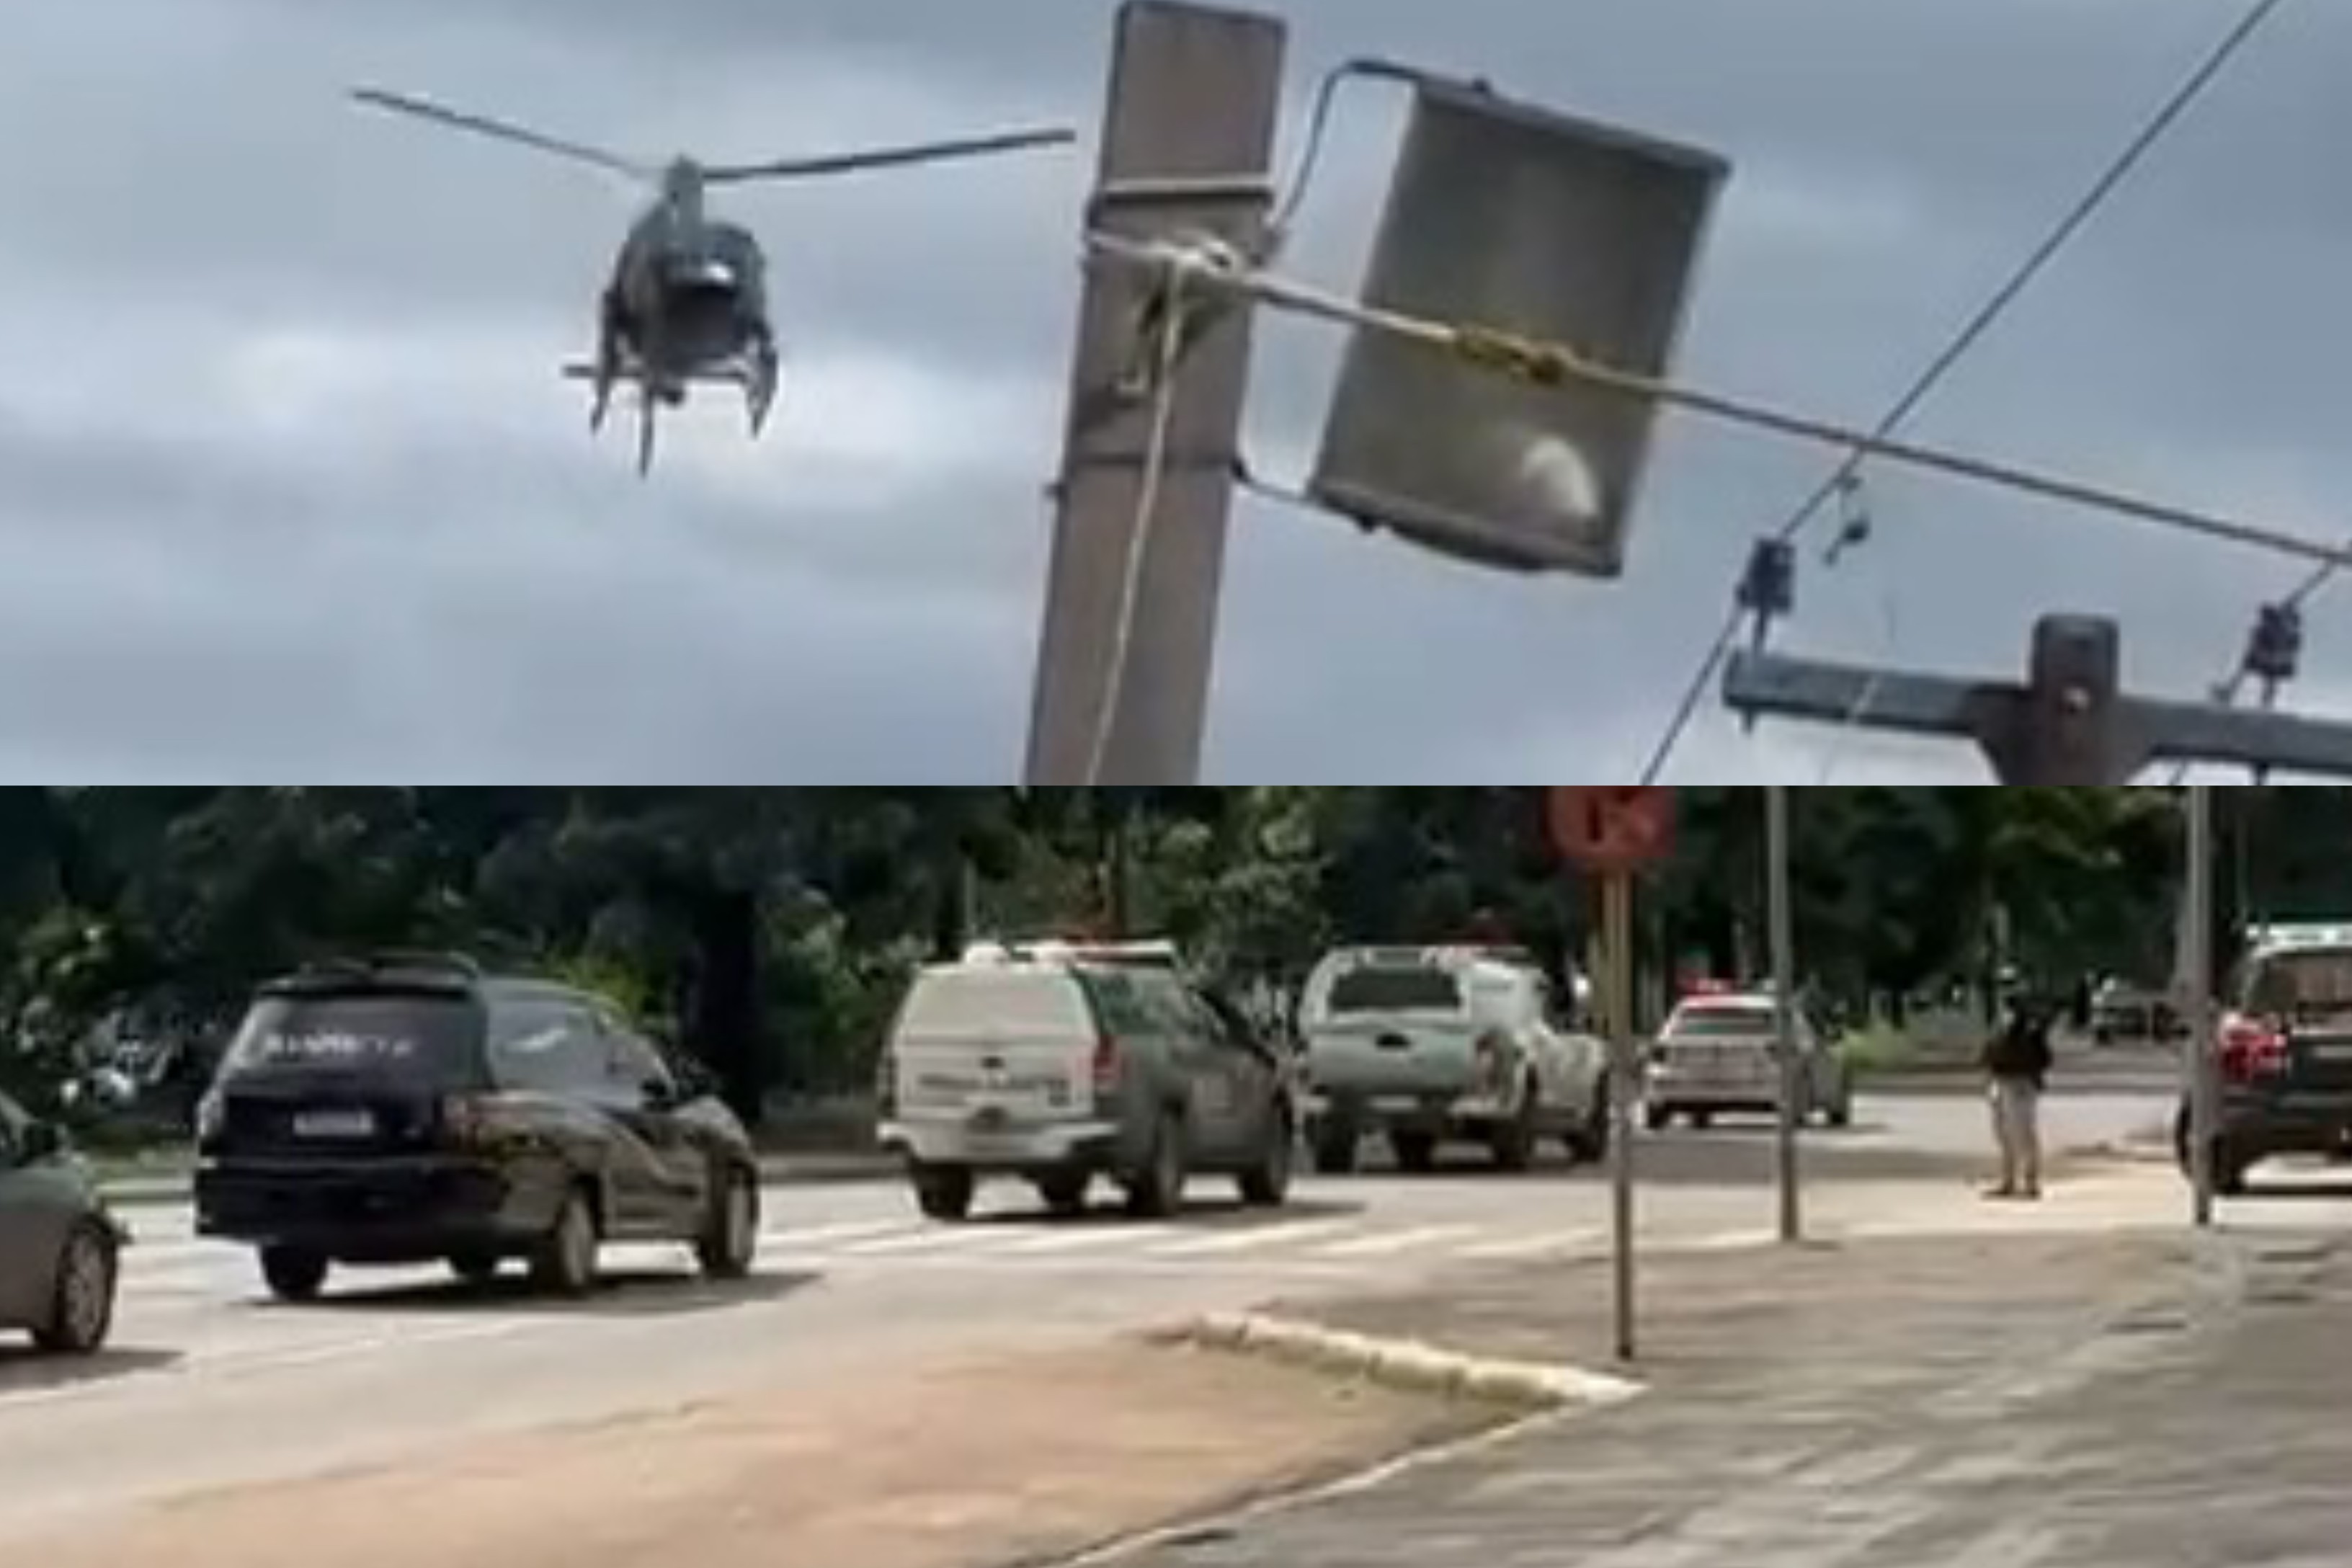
334, 1124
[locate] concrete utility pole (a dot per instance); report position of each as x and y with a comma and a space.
1784, 1008
1617, 936
2070, 723
1196, 98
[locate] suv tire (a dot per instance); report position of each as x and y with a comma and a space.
731, 1232
1591, 1141
1339, 1147
476, 1266
1157, 1191
1266, 1185
944, 1192
565, 1260
1416, 1153
294, 1273
81, 1299
1513, 1142
1064, 1193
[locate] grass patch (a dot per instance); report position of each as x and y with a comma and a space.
1879, 1051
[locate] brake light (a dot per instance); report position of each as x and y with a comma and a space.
2251, 1051
465, 1121
1488, 1060
1106, 1065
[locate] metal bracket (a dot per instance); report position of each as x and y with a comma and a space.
2068, 724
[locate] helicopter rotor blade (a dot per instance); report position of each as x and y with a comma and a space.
499, 130
890, 157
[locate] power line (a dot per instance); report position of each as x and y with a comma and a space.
2134, 154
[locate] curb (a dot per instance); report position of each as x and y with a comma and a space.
1406, 1366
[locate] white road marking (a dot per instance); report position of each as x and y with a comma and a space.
1254, 1239
1389, 1243
1556, 1243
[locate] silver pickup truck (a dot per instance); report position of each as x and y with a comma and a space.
1427, 1046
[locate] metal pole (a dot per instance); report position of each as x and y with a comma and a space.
1617, 919
1784, 1008
1138, 562
2197, 996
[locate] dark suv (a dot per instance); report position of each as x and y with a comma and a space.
409, 1108
2285, 1057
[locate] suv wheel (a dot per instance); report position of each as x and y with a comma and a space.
730, 1235
475, 1266
1064, 1193
1416, 1153
1514, 1141
82, 1307
1266, 1185
1591, 1141
1338, 1147
944, 1192
294, 1273
1157, 1190
565, 1262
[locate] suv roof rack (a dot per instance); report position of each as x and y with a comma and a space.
452, 966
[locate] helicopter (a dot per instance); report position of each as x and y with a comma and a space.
686, 300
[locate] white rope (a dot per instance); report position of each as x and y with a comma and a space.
1139, 538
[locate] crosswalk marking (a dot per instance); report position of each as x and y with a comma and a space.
923, 1238
1549, 1244
1071, 1238
1256, 1239
814, 1237
1389, 1243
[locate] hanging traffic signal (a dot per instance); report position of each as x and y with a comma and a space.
1530, 227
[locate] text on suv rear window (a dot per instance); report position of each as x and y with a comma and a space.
398, 1034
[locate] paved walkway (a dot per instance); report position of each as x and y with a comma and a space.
1994, 1401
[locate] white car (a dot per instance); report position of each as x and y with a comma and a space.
1719, 1055
1430, 1044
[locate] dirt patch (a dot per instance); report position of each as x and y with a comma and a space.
947, 1467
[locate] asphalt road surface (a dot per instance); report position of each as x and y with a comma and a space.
210, 1384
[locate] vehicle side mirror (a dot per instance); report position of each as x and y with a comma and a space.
43, 1141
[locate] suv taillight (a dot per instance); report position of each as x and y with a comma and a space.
2251, 1051
1106, 1065
464, 1121
1487, 1062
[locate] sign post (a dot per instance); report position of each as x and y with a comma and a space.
1792, 1066
1613, 833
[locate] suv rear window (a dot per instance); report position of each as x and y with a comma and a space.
416, 1036
1722, 1023
1396, 988
993, 1004
2302, 984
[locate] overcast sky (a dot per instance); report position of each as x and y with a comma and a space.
289, 490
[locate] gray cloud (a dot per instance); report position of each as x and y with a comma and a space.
288, 488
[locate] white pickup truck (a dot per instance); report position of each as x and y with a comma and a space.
1431, 1045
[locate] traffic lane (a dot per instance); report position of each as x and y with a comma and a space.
212, 1384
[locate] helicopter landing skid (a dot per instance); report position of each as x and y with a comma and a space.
758, 376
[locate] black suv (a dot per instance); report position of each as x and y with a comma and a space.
2285, 1058
404, 1109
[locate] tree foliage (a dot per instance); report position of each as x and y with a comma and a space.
771, 930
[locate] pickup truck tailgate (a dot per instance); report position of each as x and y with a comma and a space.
1393, 1057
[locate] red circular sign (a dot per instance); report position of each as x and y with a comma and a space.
1610, 827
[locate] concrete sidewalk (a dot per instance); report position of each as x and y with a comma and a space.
1997, 1402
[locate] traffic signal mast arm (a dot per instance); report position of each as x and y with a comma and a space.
1554, 365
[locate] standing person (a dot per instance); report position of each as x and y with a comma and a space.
2018, 1061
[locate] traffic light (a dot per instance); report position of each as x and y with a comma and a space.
1514, 219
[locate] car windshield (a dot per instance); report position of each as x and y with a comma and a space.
410, 1035
1751, 1022
1385, 988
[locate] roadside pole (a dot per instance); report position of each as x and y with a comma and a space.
1625, 1071
1610, 834
1127, 642
1784, 1008
2197, 997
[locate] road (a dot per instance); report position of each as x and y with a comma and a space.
211, 1384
